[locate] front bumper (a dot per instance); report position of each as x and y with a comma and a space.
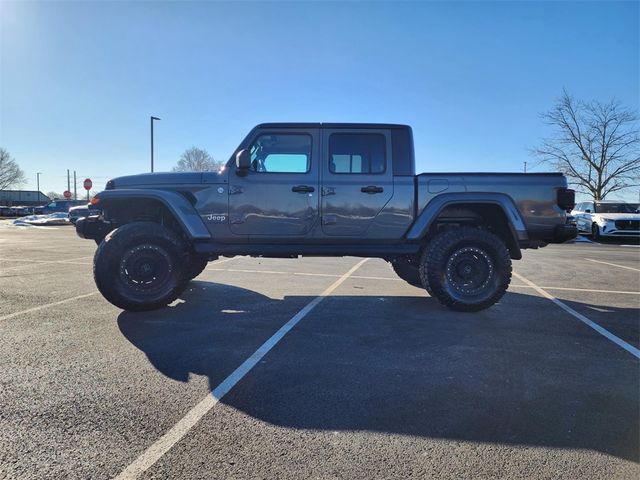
619, 233
92, 227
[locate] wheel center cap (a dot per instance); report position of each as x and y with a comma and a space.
145, 268
467, 269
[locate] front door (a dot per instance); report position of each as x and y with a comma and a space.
279, 195
357, 179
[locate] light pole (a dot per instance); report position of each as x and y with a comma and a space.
152, 119
38, 180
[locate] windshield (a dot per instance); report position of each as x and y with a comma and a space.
616, 207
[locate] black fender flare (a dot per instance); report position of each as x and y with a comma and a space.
184, 212
431, 211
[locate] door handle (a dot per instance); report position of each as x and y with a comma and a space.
303, 189
372, 189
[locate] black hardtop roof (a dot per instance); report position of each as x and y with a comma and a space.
331, 125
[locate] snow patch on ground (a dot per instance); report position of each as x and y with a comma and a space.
60, 218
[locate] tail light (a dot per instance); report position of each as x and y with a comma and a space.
566, 199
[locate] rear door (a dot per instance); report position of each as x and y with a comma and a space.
357, 179
279, 195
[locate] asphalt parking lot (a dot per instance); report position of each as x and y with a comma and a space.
319, 367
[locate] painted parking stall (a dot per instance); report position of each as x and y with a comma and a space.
376, 379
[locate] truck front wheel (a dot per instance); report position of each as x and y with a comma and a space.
467, 269
139, 266
197, 264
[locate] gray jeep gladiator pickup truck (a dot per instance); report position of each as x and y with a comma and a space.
324, 189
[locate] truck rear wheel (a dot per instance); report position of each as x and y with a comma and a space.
140, 266
407, 271
467, 269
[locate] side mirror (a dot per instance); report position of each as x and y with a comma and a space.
243, 162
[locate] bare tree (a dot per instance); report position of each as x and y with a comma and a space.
597, 145
53, 195
196, 160
10, 173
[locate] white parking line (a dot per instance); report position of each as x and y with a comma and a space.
42, 261
218, 262
613, 264
29, 263
273, 272
46, 305
397, 279
161, 446
279, 272
71, 261
590, 290
602, 331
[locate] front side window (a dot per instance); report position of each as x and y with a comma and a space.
281, 153
362, 153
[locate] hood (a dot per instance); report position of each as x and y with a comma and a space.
166, 178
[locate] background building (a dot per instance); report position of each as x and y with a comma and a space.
27, 198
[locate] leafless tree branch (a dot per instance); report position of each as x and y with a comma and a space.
11, 175
197, 160
597, 145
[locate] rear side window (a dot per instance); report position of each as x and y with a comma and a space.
362, 153
281, 153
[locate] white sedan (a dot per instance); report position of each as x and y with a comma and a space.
607, 219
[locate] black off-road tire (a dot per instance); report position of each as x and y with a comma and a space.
467, 269
140, 266
407, 271
197, 264
194, 266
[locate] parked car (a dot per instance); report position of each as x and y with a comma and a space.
607, 219
324, 190
75, 213
6, 211
15, 211
58, 205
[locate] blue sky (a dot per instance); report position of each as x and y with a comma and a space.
80, 80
